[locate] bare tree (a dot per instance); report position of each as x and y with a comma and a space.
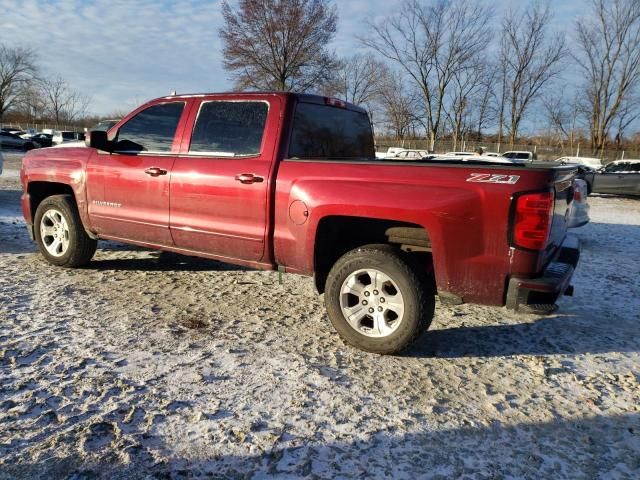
563, 115
31, 102
279, 44
400, 106
468, 96
17, 69
431, 42
359, 79
62, 103
609, 57
531, 58
486, 101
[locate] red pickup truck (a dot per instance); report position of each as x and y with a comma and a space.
290, 182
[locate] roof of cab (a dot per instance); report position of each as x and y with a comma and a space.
301, 97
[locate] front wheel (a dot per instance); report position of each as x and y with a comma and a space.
59, 232
376, 301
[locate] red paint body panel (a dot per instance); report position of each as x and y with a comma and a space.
57, 165
467, 222
200, 208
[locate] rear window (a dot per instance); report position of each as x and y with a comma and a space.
68, 135
321, 131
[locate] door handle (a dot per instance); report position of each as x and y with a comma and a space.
155, 171
247, 178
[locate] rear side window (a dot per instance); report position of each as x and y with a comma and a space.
229, 128
614, 167
151, 130
629, 167
322, 131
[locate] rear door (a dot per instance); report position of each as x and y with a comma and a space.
220, 181
128, 190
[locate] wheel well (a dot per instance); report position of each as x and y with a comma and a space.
38, 191
337, 235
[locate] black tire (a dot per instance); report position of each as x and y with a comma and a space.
80, 248
419, 302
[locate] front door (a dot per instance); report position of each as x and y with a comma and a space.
220, 182
128, 190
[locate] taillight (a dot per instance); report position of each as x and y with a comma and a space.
335, 102
532, 222
577, 195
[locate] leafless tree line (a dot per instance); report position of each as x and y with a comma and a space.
452, 68
26, 91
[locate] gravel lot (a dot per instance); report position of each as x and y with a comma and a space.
149, 365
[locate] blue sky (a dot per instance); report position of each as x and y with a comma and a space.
124, 52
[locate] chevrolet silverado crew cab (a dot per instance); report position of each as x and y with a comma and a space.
290, 182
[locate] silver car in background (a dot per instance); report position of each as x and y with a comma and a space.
621, 177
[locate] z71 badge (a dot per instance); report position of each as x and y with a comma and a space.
488, 178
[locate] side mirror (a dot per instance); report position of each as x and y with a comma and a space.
97, 139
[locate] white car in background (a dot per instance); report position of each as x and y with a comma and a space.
60, 137
459, 154
410, 155
391, 152
520, 155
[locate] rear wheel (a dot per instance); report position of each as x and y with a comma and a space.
376, 301
60, 234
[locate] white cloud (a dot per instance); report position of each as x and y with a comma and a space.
122, 52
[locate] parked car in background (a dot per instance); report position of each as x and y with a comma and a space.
1, 162
10, 140
391, 152
410, 155
591, 162
66, 136
522, 155
10, 130
44, 139
475, 159
459, 154
578, 214
621, 177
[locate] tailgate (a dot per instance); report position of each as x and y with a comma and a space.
562, 184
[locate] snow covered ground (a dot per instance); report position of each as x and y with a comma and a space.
146, 365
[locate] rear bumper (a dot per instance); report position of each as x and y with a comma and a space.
540, 293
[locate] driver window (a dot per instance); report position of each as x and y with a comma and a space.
151, 130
